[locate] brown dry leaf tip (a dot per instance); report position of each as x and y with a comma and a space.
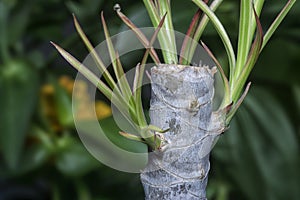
117, 7
228, 108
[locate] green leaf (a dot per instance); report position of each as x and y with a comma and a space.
73, 159
127, 104
18, 22
168, 32
235, 107
34, 157
4, 14
116, 98
19, 91
262, 142
95, 56
247, 27
140, 35
239, 80
85, 71
116, 63
108, 145
112, 130
63, 105
187, 39
277, 21
221, 31
198, 32
131, 136
138, 93
226, 98
166, 37
245, 35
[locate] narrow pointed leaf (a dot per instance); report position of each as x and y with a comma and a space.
169, 37
118, 69
252, 58
227, 98
123, 82
277, 22
257, 5
140, 35
187, 39
111, 50
101, 66
131, 136
154, 36
137, 96
245, 37
122, 105
154, 13
237, 105
157, 129
186, 45
198, 32
136, 78
85, 71
19, 86
95, 56
221, 31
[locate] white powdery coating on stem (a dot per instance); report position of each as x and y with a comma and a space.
182, 101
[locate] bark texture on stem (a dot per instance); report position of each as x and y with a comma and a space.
182, 101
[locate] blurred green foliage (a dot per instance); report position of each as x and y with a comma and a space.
41, 157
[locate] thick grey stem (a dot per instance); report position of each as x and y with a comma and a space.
182, 101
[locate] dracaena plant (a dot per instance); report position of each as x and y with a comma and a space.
183, 126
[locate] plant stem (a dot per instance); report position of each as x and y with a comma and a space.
181, 101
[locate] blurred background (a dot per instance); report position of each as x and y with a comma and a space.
41, 156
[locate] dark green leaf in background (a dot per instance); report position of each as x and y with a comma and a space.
84, 7
63, 105
260, 150
257, 159
279, 62
18, 24
18, 96
72, 158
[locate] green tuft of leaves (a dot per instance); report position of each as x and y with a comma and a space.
127, 100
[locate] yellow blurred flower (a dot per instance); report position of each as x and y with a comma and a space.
67, 83
81, 97
48, 106
102, 110
47, 89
